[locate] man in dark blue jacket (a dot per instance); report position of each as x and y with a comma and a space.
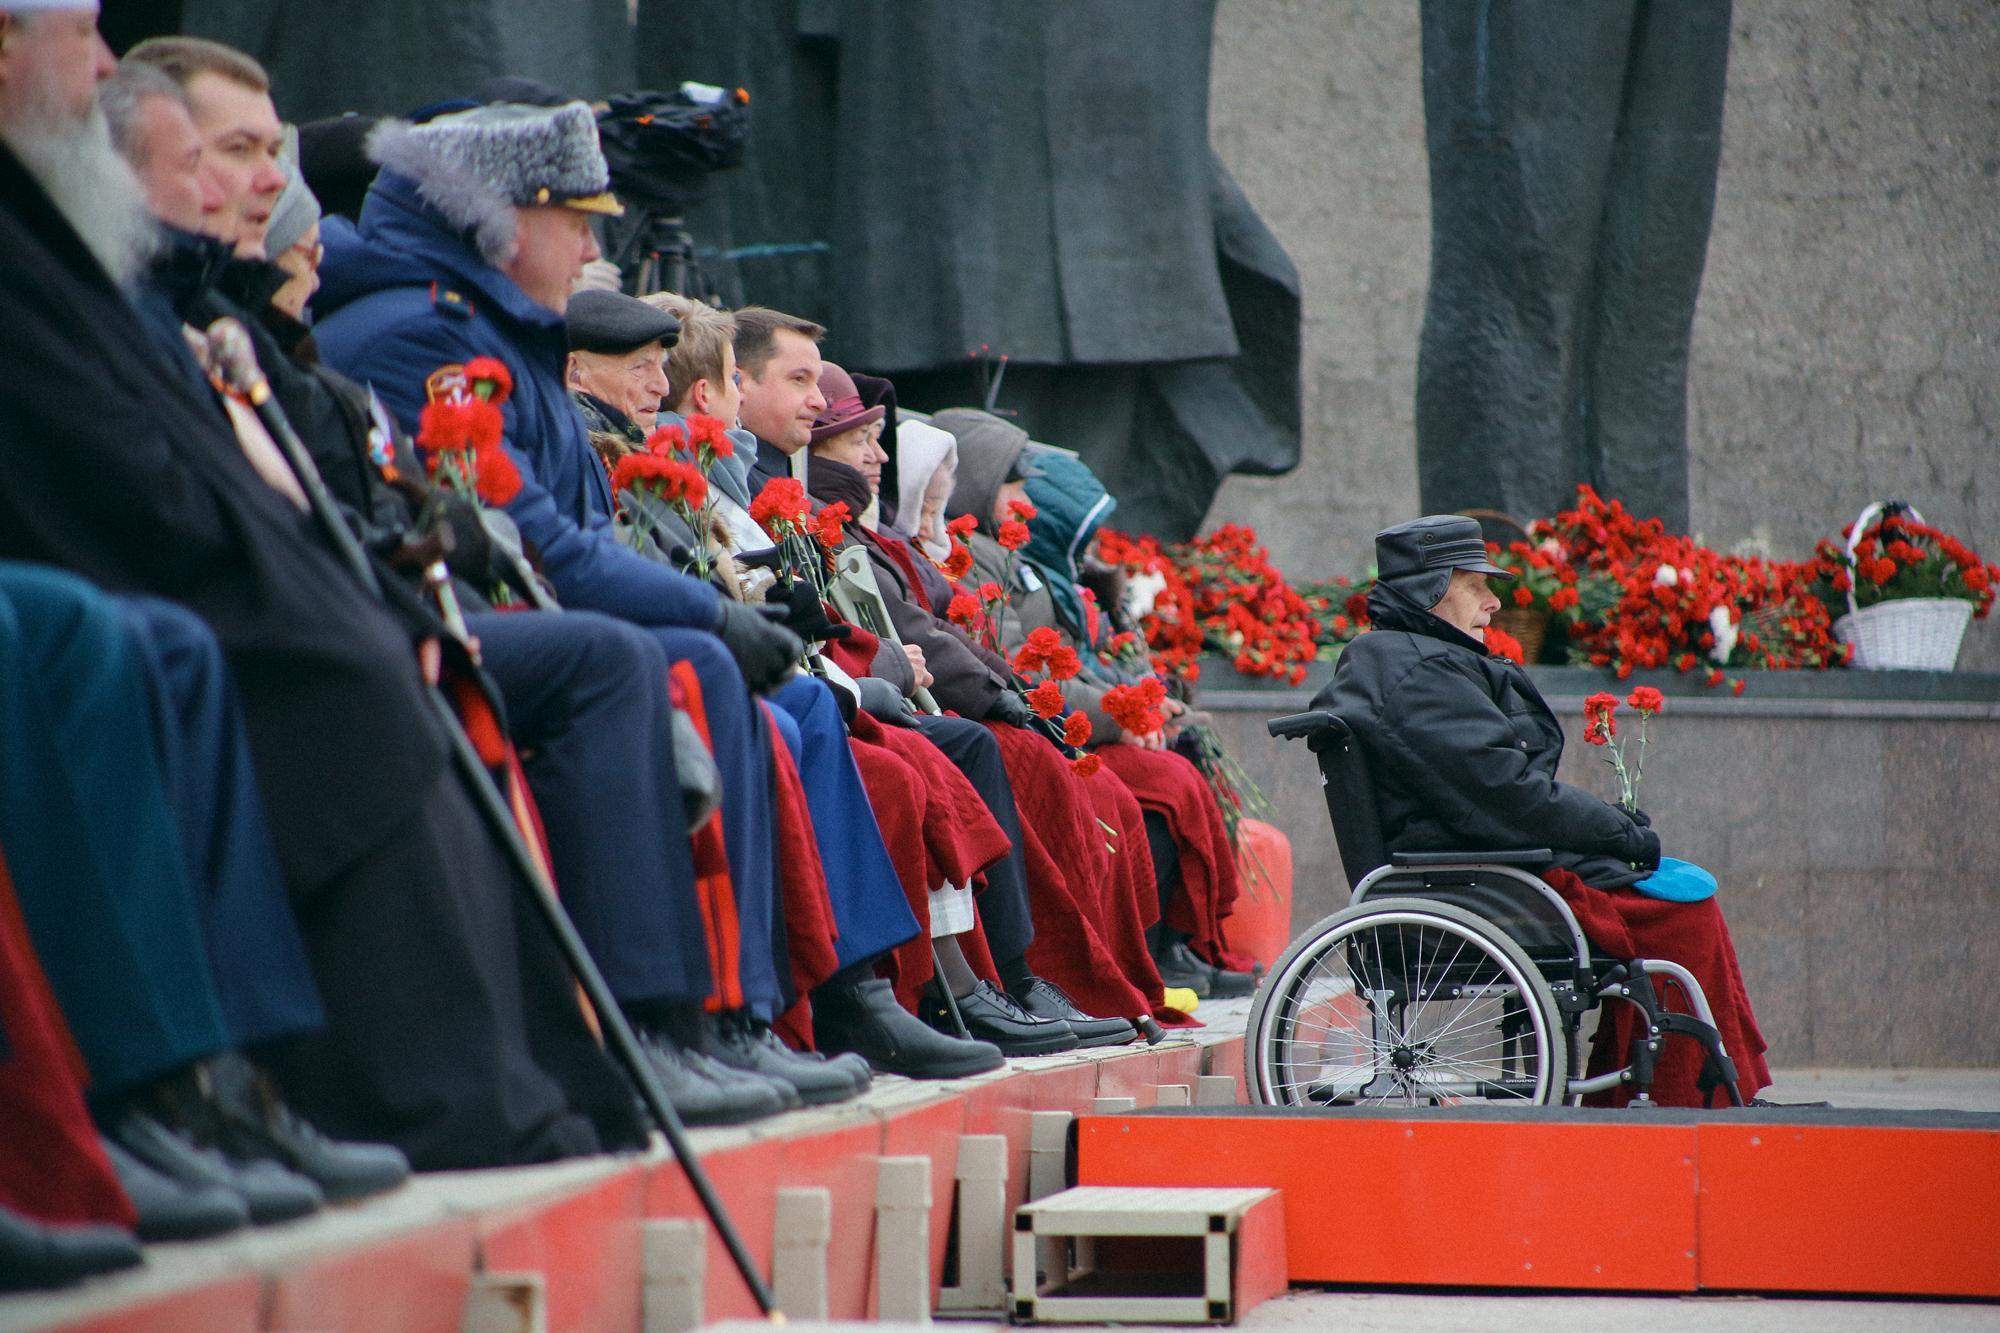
468, 245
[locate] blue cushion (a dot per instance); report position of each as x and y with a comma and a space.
1678, 882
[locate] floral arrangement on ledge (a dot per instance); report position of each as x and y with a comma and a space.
1627, 594
1218, 593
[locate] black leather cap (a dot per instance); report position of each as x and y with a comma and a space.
601, 321
1417, 551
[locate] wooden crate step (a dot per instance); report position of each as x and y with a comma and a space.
1160, 1255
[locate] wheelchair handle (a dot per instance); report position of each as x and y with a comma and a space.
1293, 726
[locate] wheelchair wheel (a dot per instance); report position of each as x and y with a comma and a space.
1404, 1002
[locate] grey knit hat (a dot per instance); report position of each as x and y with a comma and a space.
297, 209
990, 454
477, 166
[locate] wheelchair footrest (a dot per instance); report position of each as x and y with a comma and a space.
1151, 1255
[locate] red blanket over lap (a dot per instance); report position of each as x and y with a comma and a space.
52, 1167
1169, 785
809, 926
1630, 924
1129, 902
961, 838
1066, 863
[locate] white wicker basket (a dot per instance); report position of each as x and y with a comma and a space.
1907, 633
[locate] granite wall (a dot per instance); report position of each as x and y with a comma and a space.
1845, 342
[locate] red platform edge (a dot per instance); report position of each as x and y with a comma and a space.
1728, 1204
584, 1239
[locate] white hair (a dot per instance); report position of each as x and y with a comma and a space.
95, 189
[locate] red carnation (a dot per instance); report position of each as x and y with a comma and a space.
780, 508
1076, 730
1064, 663
964, 611
831, 523
489, 379
495, 477
1646, 699
1013, 535
711, 434
961, 525
1046, 699
444, 425
667, 441
1085, 765
1022, 510
1522, 597
959, 563
990, 592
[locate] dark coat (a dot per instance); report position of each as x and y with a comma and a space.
407, 295
1463, 752
113, 466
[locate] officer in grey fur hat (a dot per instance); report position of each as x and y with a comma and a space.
469, 244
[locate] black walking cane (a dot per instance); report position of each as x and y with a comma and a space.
231, 351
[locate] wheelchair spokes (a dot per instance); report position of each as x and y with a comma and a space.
1407, 1004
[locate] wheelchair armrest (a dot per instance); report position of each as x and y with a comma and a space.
1294, 725
1533, 856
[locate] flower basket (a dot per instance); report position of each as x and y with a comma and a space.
1904, 633
1529, 625
1908, 634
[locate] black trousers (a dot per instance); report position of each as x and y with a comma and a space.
1003, 905
454, 1031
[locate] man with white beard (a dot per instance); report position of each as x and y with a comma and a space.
452, 1029
51, 59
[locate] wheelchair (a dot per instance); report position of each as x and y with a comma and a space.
1452, 978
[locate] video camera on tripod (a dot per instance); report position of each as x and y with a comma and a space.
662, 149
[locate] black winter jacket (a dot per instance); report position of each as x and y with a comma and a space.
1463, 752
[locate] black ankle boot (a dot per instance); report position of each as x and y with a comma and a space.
991, 1015
863, 1017
1180, 967
252, 1122
45, 1254
1044, 999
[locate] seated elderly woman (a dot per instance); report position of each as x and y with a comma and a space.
1463, 752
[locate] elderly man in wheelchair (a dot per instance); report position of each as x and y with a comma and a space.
1493, 907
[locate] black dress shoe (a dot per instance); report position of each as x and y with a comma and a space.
864, 1018
1044, 999
170, 1210
991, 1015
251, 1123
701, 1091
48, 1254
733, 1040
269, 1191
1180, 967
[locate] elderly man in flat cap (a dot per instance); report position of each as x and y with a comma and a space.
1463, 751
470, 243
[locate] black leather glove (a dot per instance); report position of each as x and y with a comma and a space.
804, 613
1647, 856
1010, 708
764, 649
880, 701
1640, 817
768, 558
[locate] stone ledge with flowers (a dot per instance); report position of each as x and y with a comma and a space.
1858, 875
